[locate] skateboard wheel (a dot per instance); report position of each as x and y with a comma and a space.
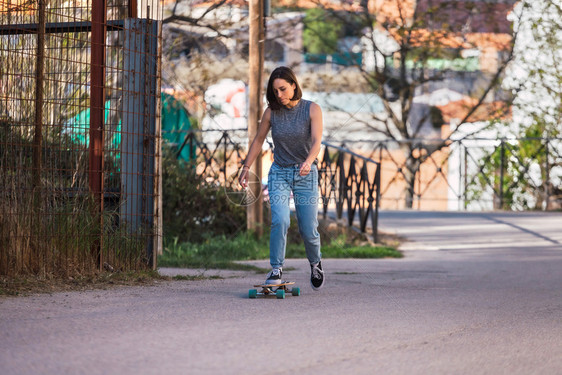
296, 292
280, 294
253, 293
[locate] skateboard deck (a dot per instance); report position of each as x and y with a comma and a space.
274, 290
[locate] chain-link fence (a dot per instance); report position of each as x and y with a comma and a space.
79, 135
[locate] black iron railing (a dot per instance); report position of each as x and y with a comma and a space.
470, 173
349, 183
464, 174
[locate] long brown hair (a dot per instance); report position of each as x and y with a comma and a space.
288, 75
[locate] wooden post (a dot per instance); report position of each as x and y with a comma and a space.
256, 53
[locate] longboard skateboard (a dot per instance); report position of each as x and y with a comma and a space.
277, 290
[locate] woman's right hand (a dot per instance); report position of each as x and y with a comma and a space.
243, 178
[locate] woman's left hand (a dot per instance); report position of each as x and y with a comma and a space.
305, 169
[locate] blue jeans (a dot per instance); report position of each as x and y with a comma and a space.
281, 182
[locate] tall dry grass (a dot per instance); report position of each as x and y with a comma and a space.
55, 230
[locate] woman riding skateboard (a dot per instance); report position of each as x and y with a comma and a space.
296, 128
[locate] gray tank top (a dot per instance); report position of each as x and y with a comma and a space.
290, 130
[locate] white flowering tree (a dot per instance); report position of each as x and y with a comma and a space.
535, 77
535, 74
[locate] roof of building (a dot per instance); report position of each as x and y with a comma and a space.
446, 39
209, 3
460, 108
476, 16
337, 5
450, 24
23, 6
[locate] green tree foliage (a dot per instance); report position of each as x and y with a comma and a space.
531, 170
321, 32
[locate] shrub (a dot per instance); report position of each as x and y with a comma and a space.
193, 208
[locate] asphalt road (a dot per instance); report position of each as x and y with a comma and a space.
477, 293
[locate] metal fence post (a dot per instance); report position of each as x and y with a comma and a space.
139, 130
502, 171
225, 136
341, 187
38, 136
38, 131
547, 175
192, 147
375, 221
97, 114
465, 182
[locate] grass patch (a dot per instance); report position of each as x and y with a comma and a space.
219, 252
195, 277
376, 252
22, 286
341, 247
223, 252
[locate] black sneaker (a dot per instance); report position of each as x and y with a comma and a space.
316, 276
274, 276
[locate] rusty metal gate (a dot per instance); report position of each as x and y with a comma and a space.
79, 135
